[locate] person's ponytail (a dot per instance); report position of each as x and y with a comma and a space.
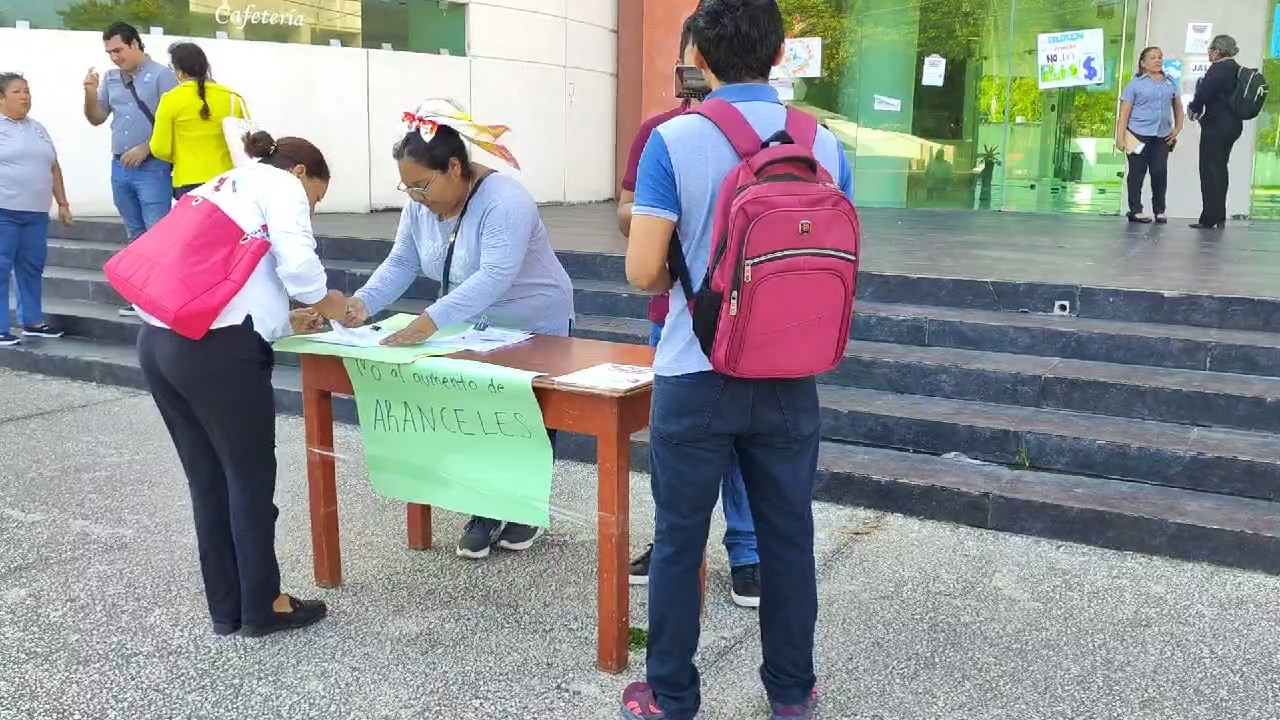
204, 102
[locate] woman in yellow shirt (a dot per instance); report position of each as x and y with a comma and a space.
188, 127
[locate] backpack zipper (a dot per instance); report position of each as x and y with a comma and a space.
782, 254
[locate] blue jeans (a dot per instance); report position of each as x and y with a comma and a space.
740, 530
142, 195
24, 245
699, 422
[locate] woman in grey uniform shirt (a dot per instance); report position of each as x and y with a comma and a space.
1150, 109
478, 233
30, 179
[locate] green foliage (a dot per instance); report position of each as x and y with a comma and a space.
98, 14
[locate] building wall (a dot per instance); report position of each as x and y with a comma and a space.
547, 68
1164, 23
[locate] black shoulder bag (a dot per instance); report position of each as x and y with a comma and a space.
141, 105
453, 235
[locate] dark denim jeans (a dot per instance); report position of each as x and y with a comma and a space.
699, 421
739, 529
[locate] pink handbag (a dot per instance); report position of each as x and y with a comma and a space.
186, 269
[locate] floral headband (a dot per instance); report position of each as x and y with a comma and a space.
440, 111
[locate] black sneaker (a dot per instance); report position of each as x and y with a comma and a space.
746, 586
518, 537
42, 330
128, 311
7, 339
305, 612
640, 567
477, 537
222, 629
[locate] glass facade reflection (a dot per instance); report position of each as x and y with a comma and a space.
427, 26
939, 106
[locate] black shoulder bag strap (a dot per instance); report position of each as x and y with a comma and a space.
453, 236
678, 268
141, 105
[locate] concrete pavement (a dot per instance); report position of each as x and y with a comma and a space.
101, 613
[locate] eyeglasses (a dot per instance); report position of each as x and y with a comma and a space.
417, 192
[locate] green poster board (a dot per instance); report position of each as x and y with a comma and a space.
455, 434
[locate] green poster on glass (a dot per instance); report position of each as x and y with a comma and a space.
456, 434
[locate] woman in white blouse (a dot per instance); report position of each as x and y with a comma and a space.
215, 393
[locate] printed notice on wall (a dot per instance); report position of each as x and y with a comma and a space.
1197, 68
935, 71
801, 58
1173, 68
1199, 35
455, 434
1071, 59
887, 104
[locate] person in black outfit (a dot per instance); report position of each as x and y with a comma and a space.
1219, 129
215, 393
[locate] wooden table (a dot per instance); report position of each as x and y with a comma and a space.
609, 416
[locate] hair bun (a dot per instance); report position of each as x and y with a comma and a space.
258, 144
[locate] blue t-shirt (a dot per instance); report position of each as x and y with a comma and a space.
1152, 102
681, 170
129, 125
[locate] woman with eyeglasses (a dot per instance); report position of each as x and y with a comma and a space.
478, 233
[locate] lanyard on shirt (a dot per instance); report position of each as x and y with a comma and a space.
453, 236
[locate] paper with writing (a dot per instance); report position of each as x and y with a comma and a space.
309, 345
456, 434
478, 340
609, 376
367, 336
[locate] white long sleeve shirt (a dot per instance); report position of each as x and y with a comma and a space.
254, 196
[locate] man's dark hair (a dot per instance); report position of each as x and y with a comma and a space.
127, 33
686, 36
739, 39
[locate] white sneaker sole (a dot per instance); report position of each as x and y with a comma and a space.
637, 580
42, 334
517, 547
744, 601
473, 554
10, 343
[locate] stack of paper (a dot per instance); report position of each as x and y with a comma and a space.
479, 340
609, 376
367, 336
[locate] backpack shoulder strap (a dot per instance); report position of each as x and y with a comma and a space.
802, 127
731, 122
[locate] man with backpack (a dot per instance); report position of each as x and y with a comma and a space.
767, 252
740, 531
1224, 99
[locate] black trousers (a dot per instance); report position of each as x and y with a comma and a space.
1215, 153
216, 400
1154, 158
178, 192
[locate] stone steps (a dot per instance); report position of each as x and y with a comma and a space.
1141, 421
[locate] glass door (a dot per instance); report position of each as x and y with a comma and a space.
1057, 145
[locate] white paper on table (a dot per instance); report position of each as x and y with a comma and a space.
367, 336
935, 71
609, 376
479, 340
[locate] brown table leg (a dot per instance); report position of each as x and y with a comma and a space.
419, 524
322, 485
613, 451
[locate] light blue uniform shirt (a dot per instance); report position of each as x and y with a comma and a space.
683, 165
503, 266
1152, 102
26, 166
129, 125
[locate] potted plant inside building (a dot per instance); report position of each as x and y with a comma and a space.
990, 159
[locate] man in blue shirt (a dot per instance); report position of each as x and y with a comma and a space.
700, 417
141, 185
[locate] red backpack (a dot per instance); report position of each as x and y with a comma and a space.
777, 300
